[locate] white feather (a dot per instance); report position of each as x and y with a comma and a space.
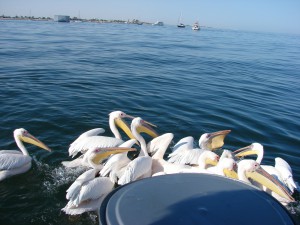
13, 160
137, 169
184, 152
84, 144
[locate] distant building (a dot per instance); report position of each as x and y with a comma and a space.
60, 18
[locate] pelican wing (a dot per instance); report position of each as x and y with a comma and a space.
94, 189
184, 153
92, 205
159, 145
286, 174
279, 162
89, 133
83, 144
183, 144
74, 189
13, 160
137, 169
10, 152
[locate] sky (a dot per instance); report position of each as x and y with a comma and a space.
258, 15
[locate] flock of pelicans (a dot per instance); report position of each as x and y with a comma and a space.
109, 164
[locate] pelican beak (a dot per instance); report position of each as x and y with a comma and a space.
103, 153
230, 173
28, 138
213, 161
248, 150
216, 139
146, 127
124, 126
264, 178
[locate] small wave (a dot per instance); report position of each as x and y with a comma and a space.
57, 177
61, 176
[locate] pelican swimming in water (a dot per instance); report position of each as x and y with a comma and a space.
90, 139
281, 171
185, 153
89, 189
251, 172
13, 162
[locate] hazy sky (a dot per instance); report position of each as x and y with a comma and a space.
266, 15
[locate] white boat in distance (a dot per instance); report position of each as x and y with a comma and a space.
158, 23
196, 26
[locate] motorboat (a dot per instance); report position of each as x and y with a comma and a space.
196, 26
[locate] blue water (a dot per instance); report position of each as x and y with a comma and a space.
58, 80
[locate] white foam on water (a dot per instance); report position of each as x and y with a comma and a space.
56, 177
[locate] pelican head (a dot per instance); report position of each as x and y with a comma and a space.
253, 149
212, 141
142, 126
99, 154
25, 136
116, 118
251, 169
208, 158
229, 167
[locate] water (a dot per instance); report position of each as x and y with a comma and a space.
58, 80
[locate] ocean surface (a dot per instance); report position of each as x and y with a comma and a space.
58, 80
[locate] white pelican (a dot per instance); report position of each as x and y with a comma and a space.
281, 171
251, 172
185, 153
90, 139
140, 167
88, 190
14, 162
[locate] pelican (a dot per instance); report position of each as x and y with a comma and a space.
88, 190
281, 171
141, 166
13, 162
185, 153
90, 139
250, 172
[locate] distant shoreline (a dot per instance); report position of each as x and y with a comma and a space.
74, 19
